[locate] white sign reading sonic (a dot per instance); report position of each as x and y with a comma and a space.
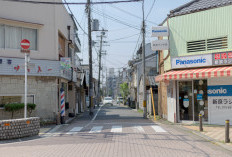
220, 103
192, 61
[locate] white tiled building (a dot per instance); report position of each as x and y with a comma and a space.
52, 33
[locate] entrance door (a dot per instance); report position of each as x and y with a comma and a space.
185, 100
200, 99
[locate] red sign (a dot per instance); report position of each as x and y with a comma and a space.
230, 55
25, 44
217, 56
224, 55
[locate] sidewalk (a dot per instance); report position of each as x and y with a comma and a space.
213, 133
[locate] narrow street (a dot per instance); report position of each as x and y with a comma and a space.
116, 131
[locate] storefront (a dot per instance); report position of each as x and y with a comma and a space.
203, 90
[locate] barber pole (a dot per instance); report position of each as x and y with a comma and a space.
62, 104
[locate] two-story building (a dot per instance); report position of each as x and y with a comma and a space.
54, 43
196, 73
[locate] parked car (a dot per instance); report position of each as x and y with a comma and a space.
119, 100
108, 100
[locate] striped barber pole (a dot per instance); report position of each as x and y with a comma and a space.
202, 73
62, 113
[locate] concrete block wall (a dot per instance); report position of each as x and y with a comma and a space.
18, 128
44, 90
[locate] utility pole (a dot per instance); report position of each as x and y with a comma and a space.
99, 71
144, 65
90, 59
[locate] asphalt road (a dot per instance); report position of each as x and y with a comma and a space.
114, 131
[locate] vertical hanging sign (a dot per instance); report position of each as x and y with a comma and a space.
62, 112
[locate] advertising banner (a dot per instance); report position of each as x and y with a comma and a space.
222, 58
160, 45
192, 61
160, 31
220, 103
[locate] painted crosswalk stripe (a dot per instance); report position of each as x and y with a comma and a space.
158, 128
96, 129
116, 129
75, 130
138, 129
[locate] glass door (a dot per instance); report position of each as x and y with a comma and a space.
185, 100
200, 99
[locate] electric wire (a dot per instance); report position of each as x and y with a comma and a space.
71, 3
124, 11
116, 20
150, 9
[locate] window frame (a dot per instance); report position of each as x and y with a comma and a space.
21, 28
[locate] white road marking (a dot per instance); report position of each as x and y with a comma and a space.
116, 129
74, 130
158, 128
138, 129
96, 129
93, 117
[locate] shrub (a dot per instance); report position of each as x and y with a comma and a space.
30, 108
13, 108
18, 106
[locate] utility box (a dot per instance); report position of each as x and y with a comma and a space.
95, 25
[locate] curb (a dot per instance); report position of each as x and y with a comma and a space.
197, 133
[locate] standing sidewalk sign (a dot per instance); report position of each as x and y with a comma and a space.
25, 45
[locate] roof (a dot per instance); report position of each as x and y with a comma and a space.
198, 5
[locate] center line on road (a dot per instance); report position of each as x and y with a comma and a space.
158, 128
116, 129
96, 129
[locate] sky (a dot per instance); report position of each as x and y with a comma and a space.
123, 22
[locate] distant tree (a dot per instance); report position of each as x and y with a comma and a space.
124, 90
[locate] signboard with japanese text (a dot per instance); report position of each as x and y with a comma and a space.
15, 66
222, 58
160, 45
65, 63
220, 103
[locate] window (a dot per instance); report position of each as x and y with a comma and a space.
2, 34
10, 37
208, 44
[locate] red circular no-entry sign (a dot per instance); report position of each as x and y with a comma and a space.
25, 44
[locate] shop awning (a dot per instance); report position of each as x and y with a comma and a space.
196, 74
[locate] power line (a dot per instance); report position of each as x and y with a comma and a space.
124, 37
151, 9
75, 18
124, 11
116, 20
72, 3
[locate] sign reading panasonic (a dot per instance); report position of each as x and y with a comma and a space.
192, 61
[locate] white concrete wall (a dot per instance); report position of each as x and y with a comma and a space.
171, 101
44, 89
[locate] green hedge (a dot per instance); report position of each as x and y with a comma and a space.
14, 107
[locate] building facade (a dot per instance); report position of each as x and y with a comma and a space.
54, 45
197, 68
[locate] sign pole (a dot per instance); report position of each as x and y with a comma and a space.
25, 96
25, 45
